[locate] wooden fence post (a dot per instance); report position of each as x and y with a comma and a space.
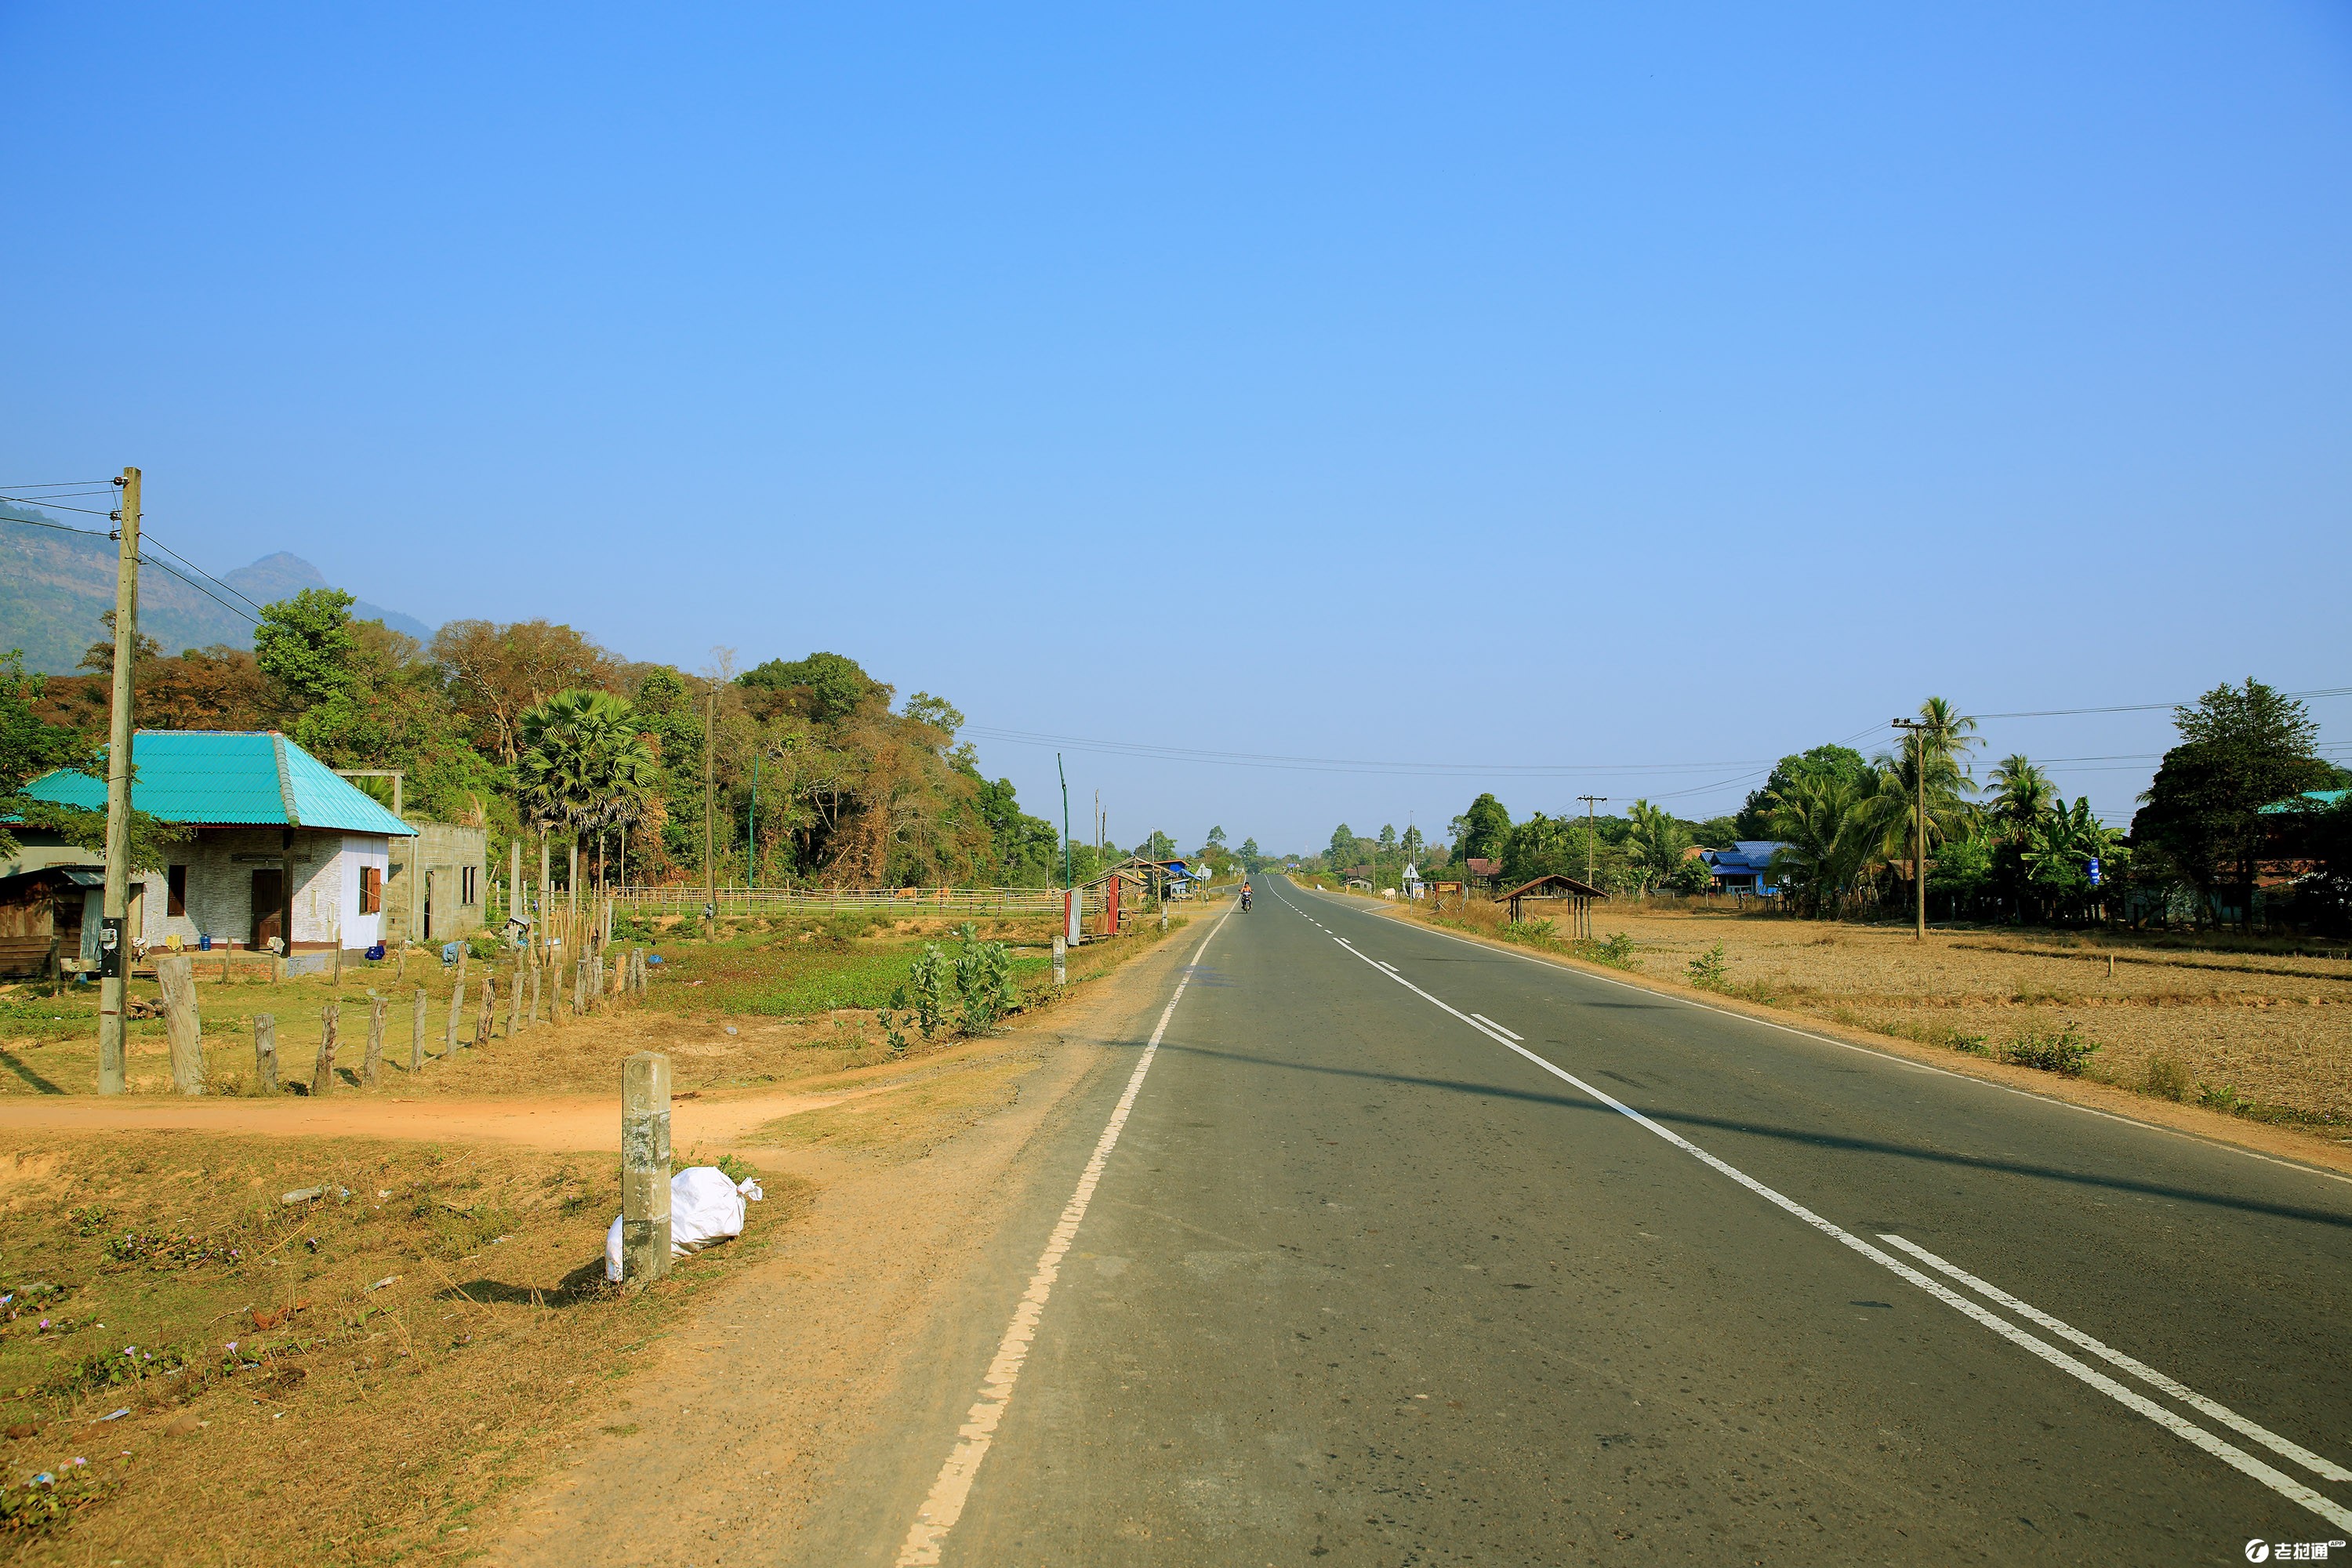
374, 1072
490, 1016
329, 1022
537, 970
417, 1032
457, 1011
177, 974
644, 1166
514, 1003
265, 1052
1061, 959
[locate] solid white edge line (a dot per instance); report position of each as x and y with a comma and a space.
1492, 1024
1891, 1058
945, 1503
2286, 1447
2237, 1459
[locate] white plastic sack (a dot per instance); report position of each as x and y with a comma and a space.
704, 1208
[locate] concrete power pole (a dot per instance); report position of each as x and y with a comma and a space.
114, 940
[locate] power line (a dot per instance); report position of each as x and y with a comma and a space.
146, 560
2148, 706
192, 566
47, 505
1327, 764
61, 527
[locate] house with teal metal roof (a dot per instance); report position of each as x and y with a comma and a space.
279, 844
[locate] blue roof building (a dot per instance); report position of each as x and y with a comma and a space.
1746, 867
276, 839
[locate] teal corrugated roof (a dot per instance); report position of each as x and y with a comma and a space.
2309, 800
229, 779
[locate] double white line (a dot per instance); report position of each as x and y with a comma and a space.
2230, 1454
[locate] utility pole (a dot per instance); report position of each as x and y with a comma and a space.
751, 828
114, 942
1066, 820
1591, 829
709, 817
1918, 729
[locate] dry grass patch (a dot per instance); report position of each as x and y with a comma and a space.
2261, 1032
345, 1378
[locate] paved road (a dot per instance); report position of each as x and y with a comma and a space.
1413, 1251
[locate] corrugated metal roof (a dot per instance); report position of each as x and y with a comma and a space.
228, 778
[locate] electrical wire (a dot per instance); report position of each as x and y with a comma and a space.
48, 505
145, 538
61, 527
167, 566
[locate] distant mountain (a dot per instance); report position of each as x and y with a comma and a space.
285, 575
54, 586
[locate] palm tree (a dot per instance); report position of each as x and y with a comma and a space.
1921, 789
2022, 794
583, 764
1657, 842
1831, 832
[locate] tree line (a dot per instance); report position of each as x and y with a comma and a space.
2235, 827
818, 774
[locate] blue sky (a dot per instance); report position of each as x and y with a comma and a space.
1541, 385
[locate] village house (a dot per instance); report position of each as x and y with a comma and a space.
260, 811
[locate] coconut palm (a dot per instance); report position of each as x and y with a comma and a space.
1656, 842
2022, 794
1831, 832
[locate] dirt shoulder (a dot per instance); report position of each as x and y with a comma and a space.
1961, 994
754, 1398
357, 1321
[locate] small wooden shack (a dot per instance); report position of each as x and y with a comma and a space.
1120, 893
1555, 889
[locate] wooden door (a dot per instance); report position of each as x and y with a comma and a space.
269, 905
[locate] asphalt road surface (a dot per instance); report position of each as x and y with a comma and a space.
1408, 1250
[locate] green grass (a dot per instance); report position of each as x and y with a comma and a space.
786, 978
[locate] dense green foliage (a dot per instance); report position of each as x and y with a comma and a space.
530, 728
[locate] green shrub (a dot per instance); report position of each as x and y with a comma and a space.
2166, 1078
929, 981
2064, 1053
1617, 952
2220, 1097
1707, 971
983, 975
1534, 933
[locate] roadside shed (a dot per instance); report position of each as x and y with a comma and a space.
1118, 892
1555, 889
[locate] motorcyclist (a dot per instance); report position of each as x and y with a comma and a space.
1244, 898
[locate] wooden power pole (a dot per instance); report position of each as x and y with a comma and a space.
1918, 729
1590, 828
114, 940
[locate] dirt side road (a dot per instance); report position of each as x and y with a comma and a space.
719, 1448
